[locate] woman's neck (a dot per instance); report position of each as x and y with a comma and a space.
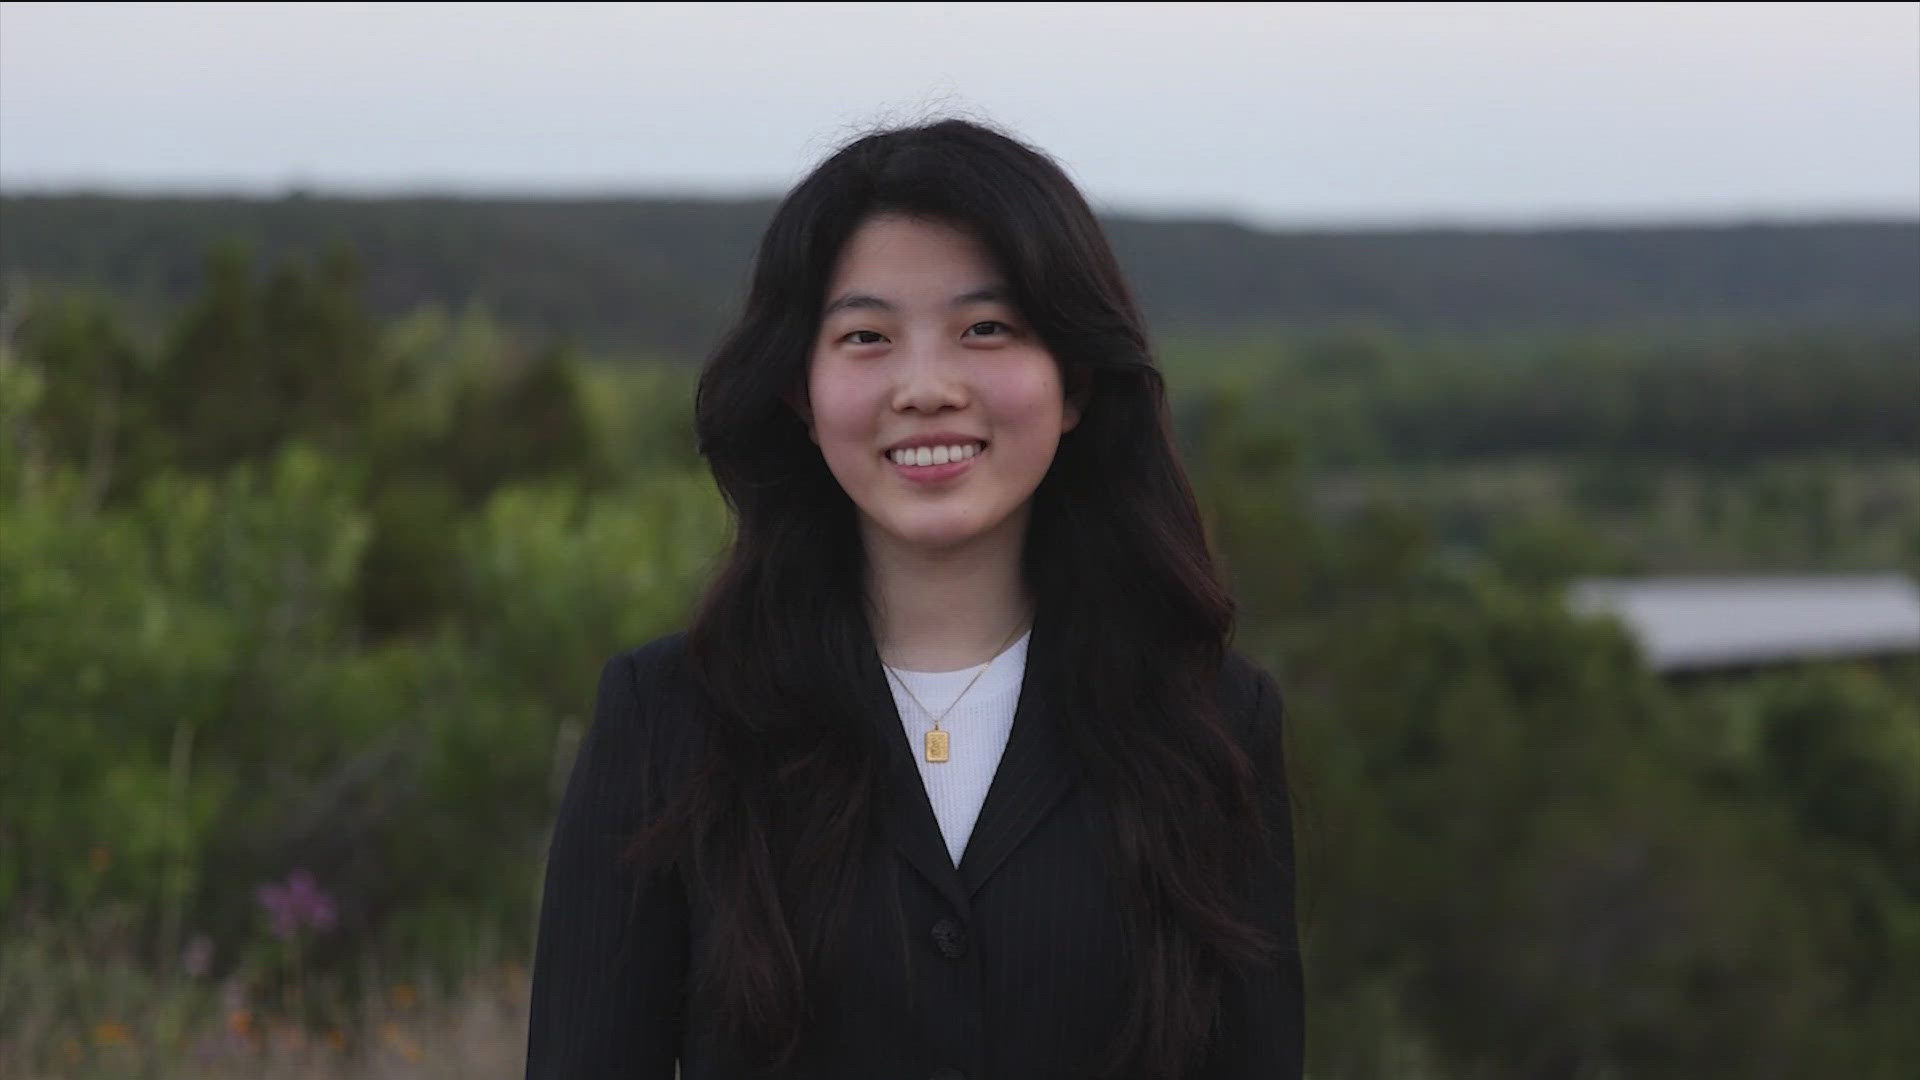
945, 611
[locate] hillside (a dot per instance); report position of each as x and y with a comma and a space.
661, 276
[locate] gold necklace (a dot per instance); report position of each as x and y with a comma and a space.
937, 742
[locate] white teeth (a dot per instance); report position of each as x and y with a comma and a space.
934, 455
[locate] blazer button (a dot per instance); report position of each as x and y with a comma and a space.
951, 938
948, 1074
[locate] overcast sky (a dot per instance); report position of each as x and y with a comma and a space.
1283, 114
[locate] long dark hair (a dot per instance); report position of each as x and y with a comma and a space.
776, 643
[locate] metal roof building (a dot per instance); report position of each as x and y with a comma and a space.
1698, 623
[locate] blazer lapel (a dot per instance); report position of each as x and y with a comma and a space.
1035, 770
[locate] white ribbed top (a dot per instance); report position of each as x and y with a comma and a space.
977, 728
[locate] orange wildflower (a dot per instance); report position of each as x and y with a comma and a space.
401, 1042
111, 1033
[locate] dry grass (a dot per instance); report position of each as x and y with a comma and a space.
69, 1009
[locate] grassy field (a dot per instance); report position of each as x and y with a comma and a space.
78, 1004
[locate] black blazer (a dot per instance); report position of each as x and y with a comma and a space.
1008, 967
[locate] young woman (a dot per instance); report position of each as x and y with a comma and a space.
954, 772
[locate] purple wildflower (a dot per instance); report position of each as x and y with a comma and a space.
297, 904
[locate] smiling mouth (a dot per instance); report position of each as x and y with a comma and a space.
932, 456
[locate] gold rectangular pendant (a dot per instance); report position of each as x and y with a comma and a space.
936, 746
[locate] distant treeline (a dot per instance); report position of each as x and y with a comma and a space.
662, 276
1363, 398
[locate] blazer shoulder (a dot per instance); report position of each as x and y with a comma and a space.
656, 663
643, 719
1249, 693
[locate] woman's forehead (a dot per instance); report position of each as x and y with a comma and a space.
895, 264
893, 244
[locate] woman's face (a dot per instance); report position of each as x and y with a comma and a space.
919, 345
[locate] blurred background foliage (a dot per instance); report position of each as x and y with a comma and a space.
291, 580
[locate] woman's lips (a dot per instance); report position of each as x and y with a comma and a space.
933, 474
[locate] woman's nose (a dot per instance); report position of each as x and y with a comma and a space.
930, 378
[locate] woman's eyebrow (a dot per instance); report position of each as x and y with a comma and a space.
985, 295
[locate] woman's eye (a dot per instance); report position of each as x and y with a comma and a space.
852, 337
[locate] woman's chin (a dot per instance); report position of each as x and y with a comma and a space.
933, 536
